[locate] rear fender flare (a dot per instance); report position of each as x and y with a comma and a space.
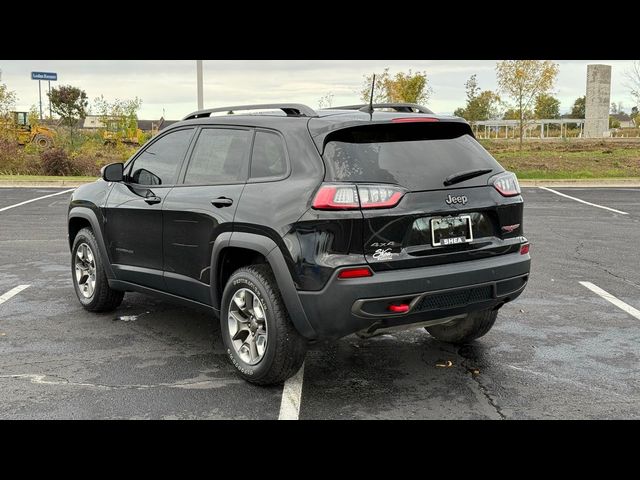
268, 248
89, 215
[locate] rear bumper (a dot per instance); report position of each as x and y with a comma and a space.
347, 306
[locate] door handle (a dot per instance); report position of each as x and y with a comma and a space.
153, 200
222, 202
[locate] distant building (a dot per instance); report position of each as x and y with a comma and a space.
625, 120
94, 122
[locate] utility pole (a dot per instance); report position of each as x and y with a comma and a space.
200, 95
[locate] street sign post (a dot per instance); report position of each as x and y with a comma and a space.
49, 76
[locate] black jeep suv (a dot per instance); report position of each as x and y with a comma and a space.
293, 225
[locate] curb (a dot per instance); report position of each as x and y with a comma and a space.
30, 184
600, 183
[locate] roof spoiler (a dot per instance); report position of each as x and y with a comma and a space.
290, 109
398, 107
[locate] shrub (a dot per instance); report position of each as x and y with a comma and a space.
55, 161
11, 156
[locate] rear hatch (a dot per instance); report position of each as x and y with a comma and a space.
426, 192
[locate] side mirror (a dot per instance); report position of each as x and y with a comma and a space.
113, 172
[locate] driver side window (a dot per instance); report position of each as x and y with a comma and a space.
160, 162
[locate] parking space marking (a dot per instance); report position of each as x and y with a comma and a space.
36, 199
11, 293
584, 201
291, 395
610, 298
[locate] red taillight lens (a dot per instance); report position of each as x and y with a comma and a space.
358, 272
350, 197
524, 249
402, 308
414, 119
507, 184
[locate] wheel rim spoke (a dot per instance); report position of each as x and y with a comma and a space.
247, 326
85, 270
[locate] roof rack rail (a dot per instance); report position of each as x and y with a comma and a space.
398, 107
291, 109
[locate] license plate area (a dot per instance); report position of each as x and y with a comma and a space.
447, 231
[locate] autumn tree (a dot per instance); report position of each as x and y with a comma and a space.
401, 88
546, 106
481, 105
579, 107
523, 81
70, 103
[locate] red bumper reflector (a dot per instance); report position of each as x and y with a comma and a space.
524, 249
402, 308
355, 272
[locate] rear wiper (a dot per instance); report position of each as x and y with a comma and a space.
462, 176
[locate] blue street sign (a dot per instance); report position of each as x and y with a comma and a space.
44, 76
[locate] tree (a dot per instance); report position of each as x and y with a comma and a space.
613, 109
481, 105
326, 101
122, 114
70, 103
579, 107
632, 77
402, 88
7, 101
634, 116
547, 106
523, 81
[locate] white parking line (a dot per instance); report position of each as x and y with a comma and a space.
36, 199
11, 293
291, 395
583, 201
610, 298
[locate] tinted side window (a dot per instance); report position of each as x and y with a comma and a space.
220, 156
160, 162
269, 158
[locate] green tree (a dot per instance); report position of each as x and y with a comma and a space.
579, 107
70, 104
121, 115
401, 88
481, 105
523, 81
546, 106
614, 108
8, 100
614, 122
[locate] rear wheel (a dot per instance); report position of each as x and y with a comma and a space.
474, 325
89, 278
260, 339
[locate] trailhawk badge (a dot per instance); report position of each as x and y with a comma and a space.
458, 200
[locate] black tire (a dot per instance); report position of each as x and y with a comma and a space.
286, 348
473, 326
103, 299
42, 141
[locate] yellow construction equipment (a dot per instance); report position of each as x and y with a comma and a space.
24, 132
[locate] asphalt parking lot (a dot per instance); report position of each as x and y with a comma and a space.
562, 350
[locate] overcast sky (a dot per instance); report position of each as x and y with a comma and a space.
169, 86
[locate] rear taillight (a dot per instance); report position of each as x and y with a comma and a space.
350, 197
356, 272
507, 184
524, 248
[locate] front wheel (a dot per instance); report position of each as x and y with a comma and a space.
89, 278
258, 335
474, 325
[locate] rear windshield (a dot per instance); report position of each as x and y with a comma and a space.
417, 156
